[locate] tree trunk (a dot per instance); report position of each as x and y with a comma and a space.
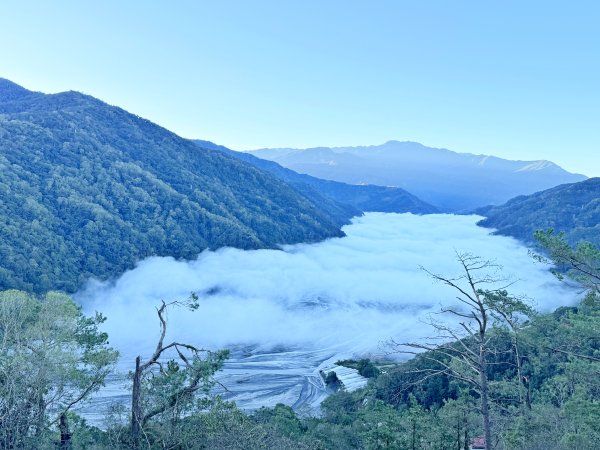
519, 370
65, 434
485, 412
527, 392
136, 407
458, 431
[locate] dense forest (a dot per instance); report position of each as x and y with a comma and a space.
88, 189
573, 209
521, 379
364, 197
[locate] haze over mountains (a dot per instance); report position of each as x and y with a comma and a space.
452, 182
365, 198
88, 189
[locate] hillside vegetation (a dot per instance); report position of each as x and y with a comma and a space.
88, 189
573, 209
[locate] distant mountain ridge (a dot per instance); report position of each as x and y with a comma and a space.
452, 182
88, 189
570, 208
364, 198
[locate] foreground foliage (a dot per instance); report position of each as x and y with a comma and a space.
542, 378
167, 392
52, 358
398, 410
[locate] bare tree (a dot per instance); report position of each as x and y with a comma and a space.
461, 349
199, 366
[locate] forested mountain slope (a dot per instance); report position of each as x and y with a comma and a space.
448, 180
570, 208
88, 189
362, 197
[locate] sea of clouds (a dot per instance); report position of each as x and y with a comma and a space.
339, 298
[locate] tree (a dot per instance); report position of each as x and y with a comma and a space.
52, 358
581, 263
456, 419
462, 351
161, 387
511, 313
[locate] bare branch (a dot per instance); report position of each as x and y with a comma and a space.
577, 355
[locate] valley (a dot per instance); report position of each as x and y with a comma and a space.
287, 313
417, 266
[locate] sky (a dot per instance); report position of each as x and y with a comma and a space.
519, 80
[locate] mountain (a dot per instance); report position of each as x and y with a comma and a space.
571, 208
453, 182
364, 198
88, 189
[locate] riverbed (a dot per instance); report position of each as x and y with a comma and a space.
286, 313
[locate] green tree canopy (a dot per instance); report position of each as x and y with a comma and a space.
52, 357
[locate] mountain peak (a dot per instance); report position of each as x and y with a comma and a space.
11, 91
396, 142
537, 165
449, 180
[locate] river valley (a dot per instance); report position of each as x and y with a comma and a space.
286, 313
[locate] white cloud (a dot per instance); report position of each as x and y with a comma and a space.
346, 295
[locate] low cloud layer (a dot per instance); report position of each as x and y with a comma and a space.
350, 293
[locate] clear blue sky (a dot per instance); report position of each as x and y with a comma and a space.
518, 79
